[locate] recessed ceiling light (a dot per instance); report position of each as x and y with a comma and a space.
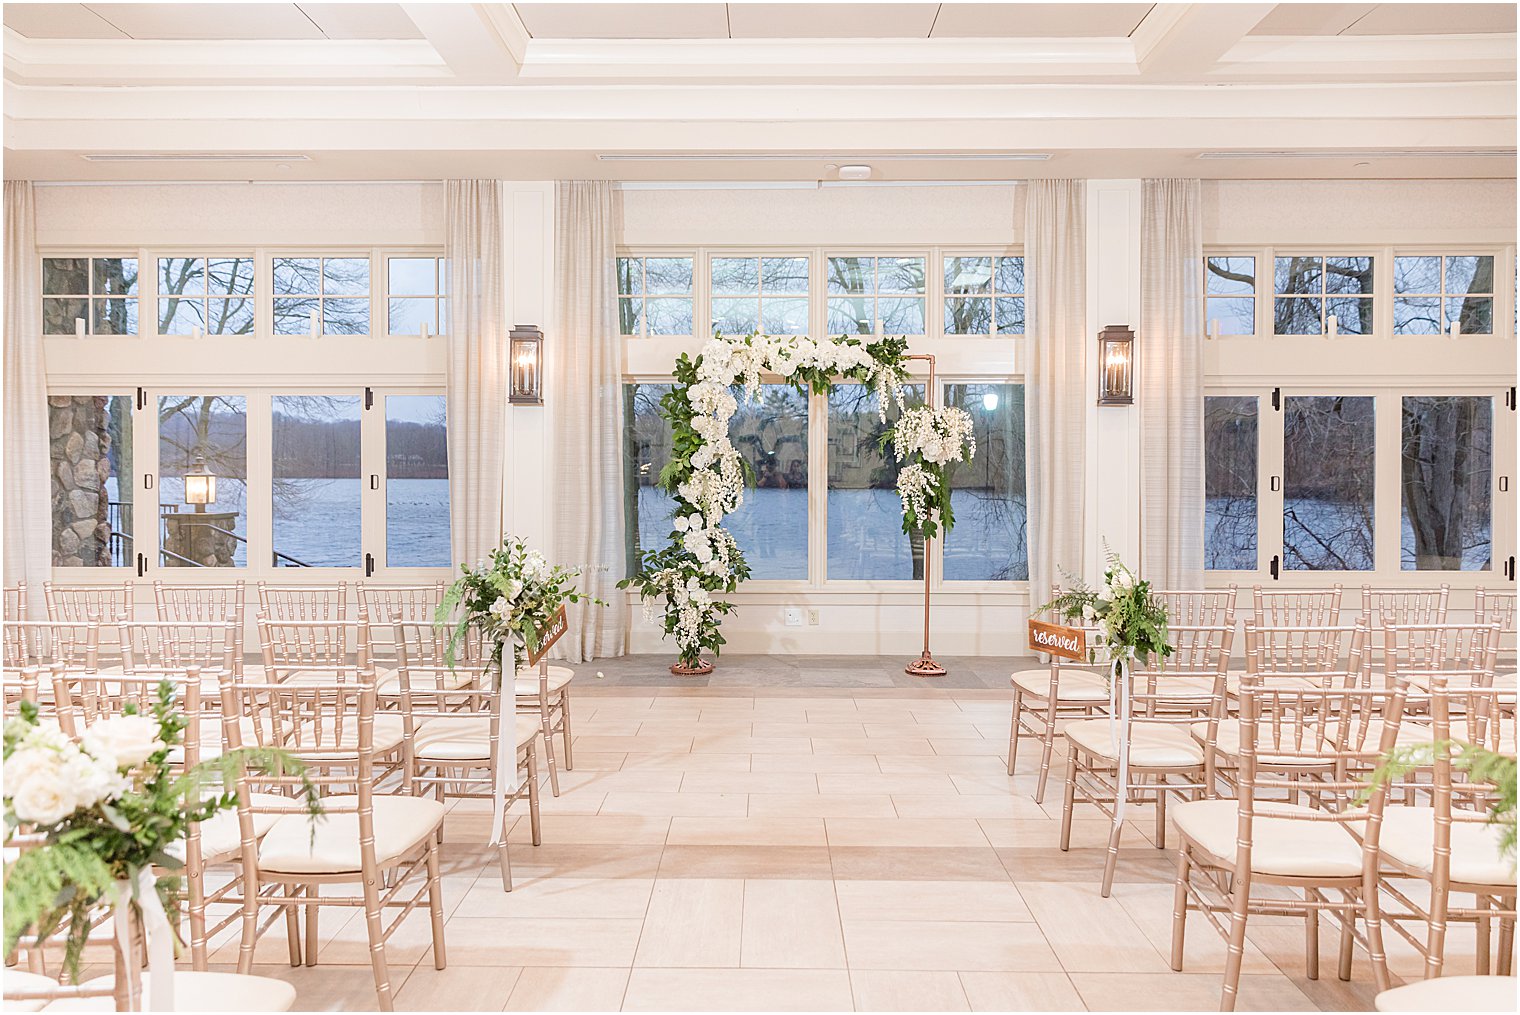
192, 157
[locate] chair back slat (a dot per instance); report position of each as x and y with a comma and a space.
303, 602
209, 645
107, 605
43, 643
387, 604
1297, 607
320, 650
1313, 650
1201, 608
15, 601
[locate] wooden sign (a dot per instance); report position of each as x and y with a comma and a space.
548, 635
1058, 640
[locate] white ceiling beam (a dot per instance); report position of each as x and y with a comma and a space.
466, 37
1187, 40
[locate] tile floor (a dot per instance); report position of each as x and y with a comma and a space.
827, 840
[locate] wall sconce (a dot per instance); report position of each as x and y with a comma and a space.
1116, 354
526, 351
200, 484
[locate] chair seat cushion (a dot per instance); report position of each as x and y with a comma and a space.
196, 991
389, 730
527, 680
401, 822
1451, 993
221, 837
20, 980
388, 680
1409, 835
1227, 742
1152, 745
468, 738
1072, 684
1283, 846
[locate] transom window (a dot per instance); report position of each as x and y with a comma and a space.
654, 295
416, 289
984, 295
767, 294
89, 295
1432, 292
1229, 288
210, 294
326, 295
876, 295
1309, 290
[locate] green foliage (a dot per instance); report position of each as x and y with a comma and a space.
1480, 764
1130, 619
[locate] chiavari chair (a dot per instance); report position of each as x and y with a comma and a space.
209, 645
375, 842
15, 601
21, 684
1146, 749
543, 692
1043, 696
107, 605
197, 603
1494, 607
1200, 608
1384, 607
1297, 607
1251, 856
388, 604
72, 644
303, 602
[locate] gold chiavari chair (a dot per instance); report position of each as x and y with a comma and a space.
1451, 846
1250, 856
21, 684
543, 692
303, 602
1147, 749
15, 601
1043, 696
200, 603
1384, 607
209, 645
43, 643
1296, 607
375, 842
1491, 606
388, 604
107, 605
1200, 608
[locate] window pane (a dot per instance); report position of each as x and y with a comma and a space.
901, 315
178, 316
411, 276
1474, 314
1229, 482
1469, 275
787, 316
1417, 275
229, 276
968, 315
646, 449
1010, 315
735, 275
784, 275
181, 276
1236, 314
1230, 276
669, 316
117, 276
851, 315
1328, 464
667, 275
851, 274
866, 541
736, 316
900, 275
1297, 316
59, 315
1348, 275
292, 316
990, 540
229, 317
630, 275
772, 525
203, 433
1010, 275
968, 275
1353, 315
92, 488
300, 276
1297, 275
345, 317
407, 316
316, 481
114, 317
630, 315
1447, 472
416, 481
1417, 315
65, 276
345, 276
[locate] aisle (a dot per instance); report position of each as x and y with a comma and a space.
807, 848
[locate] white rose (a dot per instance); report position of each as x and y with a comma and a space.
44, 799
1087, 611
92, 779
933, 450
129, 739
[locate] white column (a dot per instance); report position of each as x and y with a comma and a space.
530, 281
1113, 432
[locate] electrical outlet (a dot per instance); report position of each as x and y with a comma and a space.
812, 618
793, 616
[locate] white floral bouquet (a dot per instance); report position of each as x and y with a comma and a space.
510, 597
1131, 622
931, 441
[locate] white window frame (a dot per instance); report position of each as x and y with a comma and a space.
90, 254
643, 254
944, 254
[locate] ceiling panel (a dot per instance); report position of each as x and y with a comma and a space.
1436, 19
1038, 21
624, 21
831, 21
1311, 19
361, 21
58, 21
209, 21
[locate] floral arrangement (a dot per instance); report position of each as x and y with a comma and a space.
1130, 621
510, 596
706, 474
109, 807
932, 441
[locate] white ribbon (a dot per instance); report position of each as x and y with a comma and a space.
157, 932
1119, 705
505, 777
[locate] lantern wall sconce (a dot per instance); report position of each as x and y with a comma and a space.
200, 484
526, 355
1116, 359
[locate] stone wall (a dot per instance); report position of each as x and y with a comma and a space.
79, 434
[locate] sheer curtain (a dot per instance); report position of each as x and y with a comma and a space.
477, 365
585, 382
1055, 257
1169, 360
28, 524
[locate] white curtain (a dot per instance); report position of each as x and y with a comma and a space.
28, 477
1055, 257
585, 371
477, 365
1169, 362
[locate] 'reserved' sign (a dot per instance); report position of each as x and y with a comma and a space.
1066, 642
548, 635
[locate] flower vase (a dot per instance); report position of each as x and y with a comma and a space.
692, 667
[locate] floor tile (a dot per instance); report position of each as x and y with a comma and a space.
819, 805
916, 863
693, 922
792, 925
624, 898
506, 941
905, 832
931, 900
1186, 992
738, 990
946, 945
561, 989
746, 861
1021, 992
758, 831
907, 990
458, 988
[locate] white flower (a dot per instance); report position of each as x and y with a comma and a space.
1087, 612
45, 798
127, 739
679, 522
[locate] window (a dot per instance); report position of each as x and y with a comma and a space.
1310, 290
329, 295
1328, 473
866, 541
771, 527
990, 540
655, 295
316, 488
89, 295
1432, 291
1229, 287
203, 435
1231, 429
91, 441
416, 481
984, 295
415, 289
646, 449
876, 295
213, 294
765, 294
1447, 472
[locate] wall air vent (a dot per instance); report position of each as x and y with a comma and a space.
835, 158
192, 157
1365, 153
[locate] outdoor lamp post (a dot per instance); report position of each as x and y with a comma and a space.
200, 484
1116, 359
526, 353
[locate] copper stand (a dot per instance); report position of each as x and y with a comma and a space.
924, 665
